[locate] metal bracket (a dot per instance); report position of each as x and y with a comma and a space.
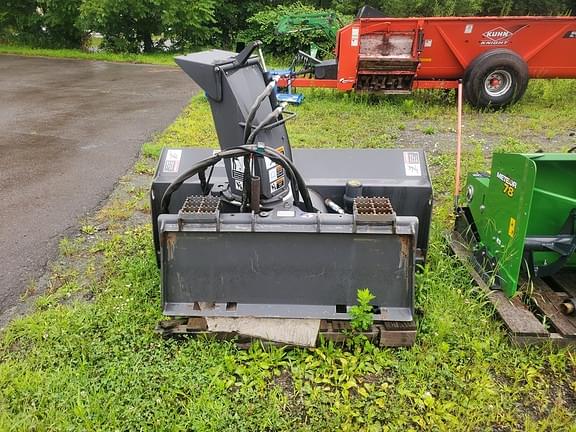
199, 209
564, 244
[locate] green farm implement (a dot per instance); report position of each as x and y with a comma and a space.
518, 230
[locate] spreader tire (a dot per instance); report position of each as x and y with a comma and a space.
495, 79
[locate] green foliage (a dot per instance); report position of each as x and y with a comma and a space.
18, 19
60, 17
146, 25
231, 18
188, 24
127, 26
362, 316
263, 26
143, 25
42, 22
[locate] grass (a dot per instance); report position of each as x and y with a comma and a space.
97, 365
159, 58
153, 58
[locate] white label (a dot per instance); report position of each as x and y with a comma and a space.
269, 163
172, 161
272, 174
355, 36
427, 43
238, 173
469, 28
285, 213
275, 174
238, 165
412, 164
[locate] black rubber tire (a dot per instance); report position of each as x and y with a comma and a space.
500, 61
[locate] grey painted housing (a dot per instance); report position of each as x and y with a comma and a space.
231, 90
296, 264
279, 260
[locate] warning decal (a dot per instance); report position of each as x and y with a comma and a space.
275, 172
278, 184
412, 164
238, 173
512, 227
172, 161
355, 36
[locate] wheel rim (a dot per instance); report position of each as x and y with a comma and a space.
498, 83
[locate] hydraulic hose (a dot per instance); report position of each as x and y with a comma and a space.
254, 108
202, 165
268, 119
296, 180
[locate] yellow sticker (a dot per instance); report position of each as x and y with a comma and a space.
512, 227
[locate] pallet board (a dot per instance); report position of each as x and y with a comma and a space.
382, 333
525, 321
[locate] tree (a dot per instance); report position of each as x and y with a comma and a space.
131, 25
125, 24
231, 18
59, 21
263, 26
41, 22
18, 17
188, 24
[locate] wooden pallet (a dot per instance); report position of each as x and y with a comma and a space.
537, 318
382, 333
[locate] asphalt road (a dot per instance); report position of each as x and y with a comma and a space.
68, 130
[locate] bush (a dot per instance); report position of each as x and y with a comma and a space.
188, 23
145, 25
17, 17
51, 23
263, 26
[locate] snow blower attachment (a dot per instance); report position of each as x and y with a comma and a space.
258, 230
522, 216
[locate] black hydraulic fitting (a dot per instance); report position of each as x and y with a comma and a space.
353, 190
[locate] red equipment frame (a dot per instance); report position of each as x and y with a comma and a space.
444, 47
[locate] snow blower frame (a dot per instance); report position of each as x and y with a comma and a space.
258, 230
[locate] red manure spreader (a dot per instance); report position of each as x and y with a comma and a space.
493, 56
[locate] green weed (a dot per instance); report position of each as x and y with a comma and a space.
69, 247
428, 130
362, 316
88, 229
